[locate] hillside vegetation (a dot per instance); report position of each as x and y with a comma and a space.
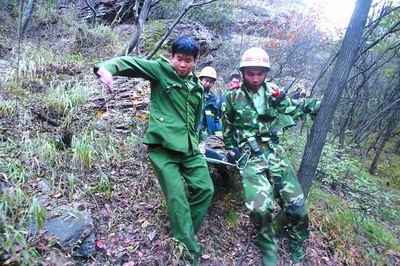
65, 142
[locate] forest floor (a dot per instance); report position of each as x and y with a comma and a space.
64, 140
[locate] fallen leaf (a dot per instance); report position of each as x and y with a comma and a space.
100, 244
112, 238
99, 113
136, 230
206, 256
151, 235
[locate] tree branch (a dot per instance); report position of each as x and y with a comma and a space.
139, 20
118, 16
168, 32
28, 10
94, 13
337, 81
328, 63
389, 31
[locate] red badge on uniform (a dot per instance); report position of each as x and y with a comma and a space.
276, 92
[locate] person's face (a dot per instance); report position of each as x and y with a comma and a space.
207, 82
183, 63
234, 84
254, 76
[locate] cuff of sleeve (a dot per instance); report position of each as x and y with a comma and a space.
95, 69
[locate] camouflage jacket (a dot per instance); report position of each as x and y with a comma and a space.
240, 119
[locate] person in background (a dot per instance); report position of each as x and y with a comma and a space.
210, 124
297, 94
233, 84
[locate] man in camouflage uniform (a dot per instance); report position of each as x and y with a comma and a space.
254, 117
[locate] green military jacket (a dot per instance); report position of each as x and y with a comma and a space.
175, 102
240, 119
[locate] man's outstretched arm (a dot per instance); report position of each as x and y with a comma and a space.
127, 66
106, 77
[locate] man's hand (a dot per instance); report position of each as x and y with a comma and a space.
106, 77
233, 155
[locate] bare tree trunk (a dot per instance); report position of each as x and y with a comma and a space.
168, 32
371, 124
337, 82
139, 20
27, 14
346, 121
397, 149
118, 16
21, 10
373, 145
392, 123
363, 158
93, 10
359, 126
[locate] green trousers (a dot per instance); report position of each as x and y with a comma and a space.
269, 179
185, 213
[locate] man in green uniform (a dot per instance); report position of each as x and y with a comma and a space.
172, 135
209, 124
254, 117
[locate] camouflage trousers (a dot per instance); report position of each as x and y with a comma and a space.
268, 180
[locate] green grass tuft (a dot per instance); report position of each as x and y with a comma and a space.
63, 98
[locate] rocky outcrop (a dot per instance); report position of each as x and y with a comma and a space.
72, 229
105, 9
208, 40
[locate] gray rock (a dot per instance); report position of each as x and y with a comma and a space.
3, 186
72, 229
45, 186
105, 9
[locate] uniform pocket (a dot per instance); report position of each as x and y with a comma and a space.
169, 87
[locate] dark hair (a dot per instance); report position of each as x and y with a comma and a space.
185, 45
234, 76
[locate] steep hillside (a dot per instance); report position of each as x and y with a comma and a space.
71, 151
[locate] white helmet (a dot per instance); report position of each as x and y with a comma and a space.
208, 71
254, 57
